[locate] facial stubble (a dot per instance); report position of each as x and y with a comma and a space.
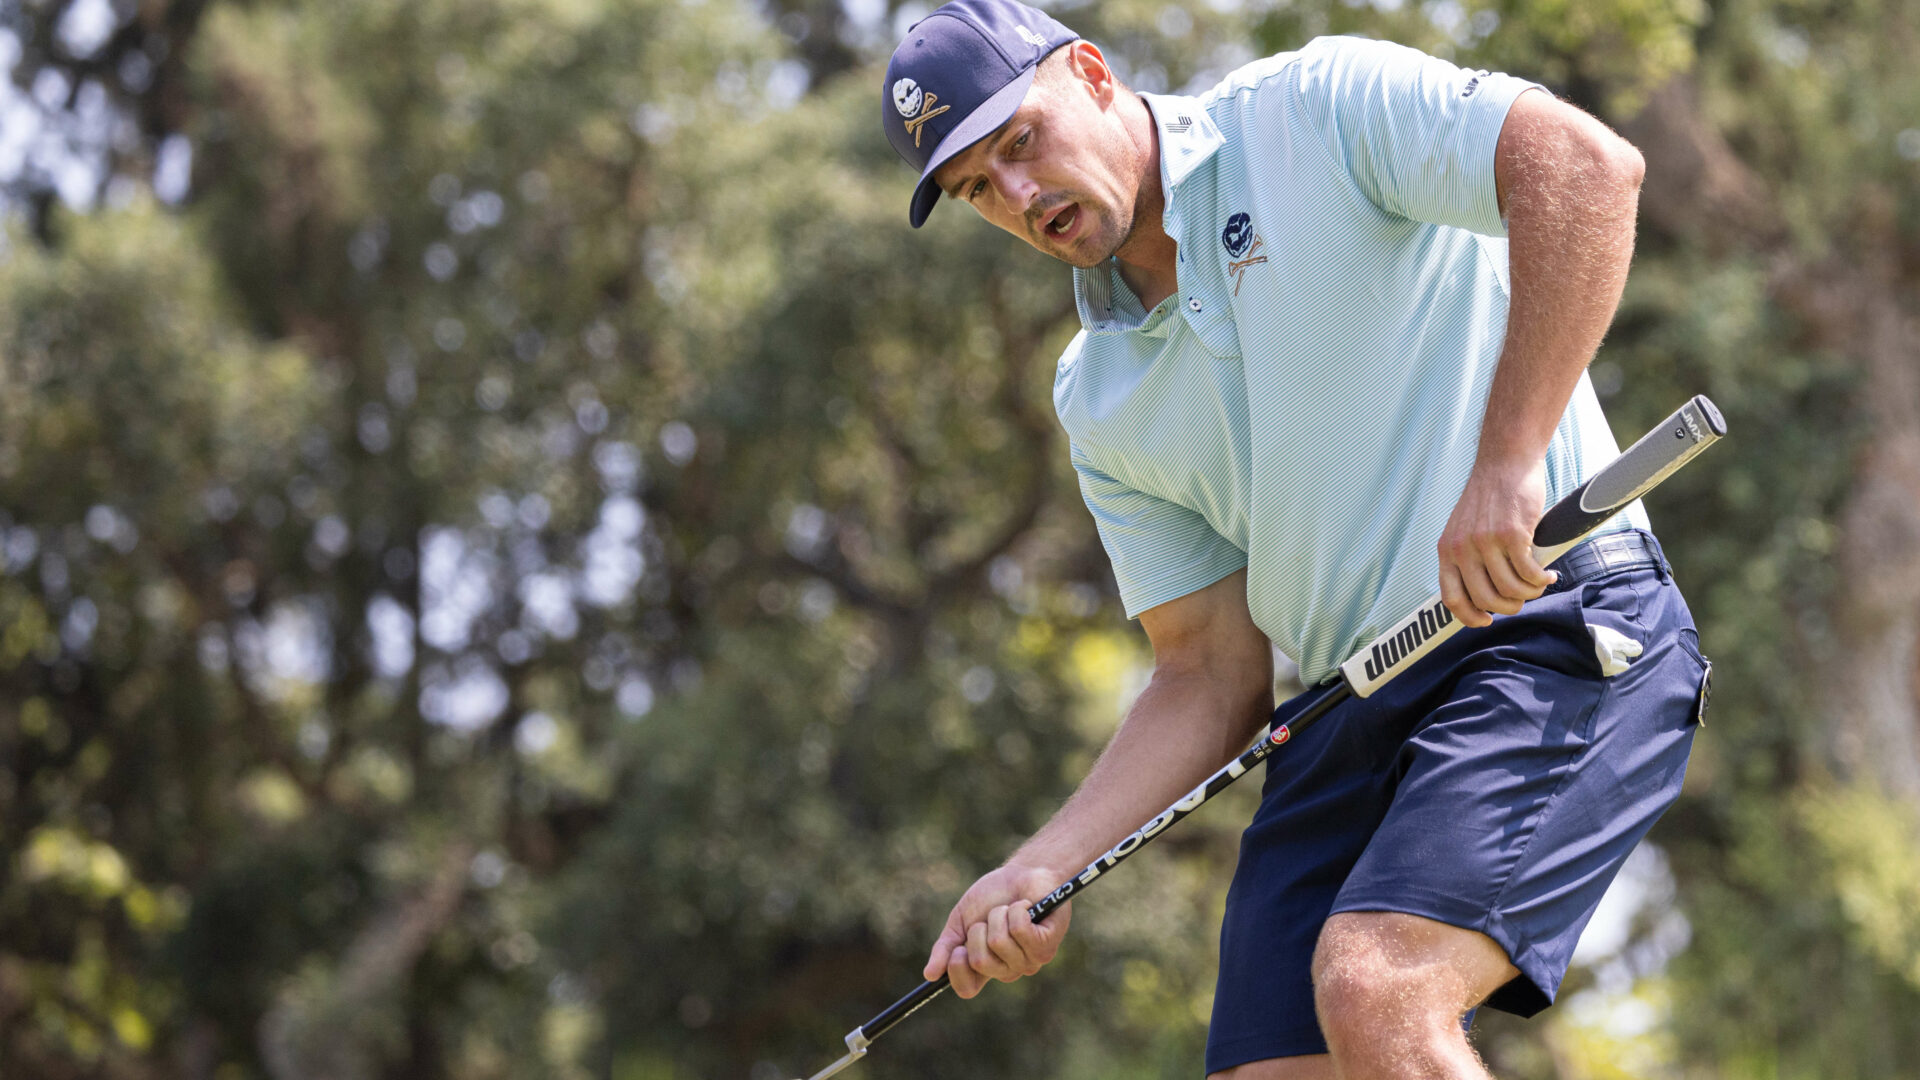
1125, 227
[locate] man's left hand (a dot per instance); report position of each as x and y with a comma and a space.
1486, 552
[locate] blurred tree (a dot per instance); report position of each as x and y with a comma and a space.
112, 74
534, 569
528, 640
1781, 201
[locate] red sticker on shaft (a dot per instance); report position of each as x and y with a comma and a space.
1281, 734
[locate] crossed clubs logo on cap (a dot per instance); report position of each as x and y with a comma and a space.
916, 105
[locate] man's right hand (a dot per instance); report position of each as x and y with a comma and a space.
989, 936
1211, 693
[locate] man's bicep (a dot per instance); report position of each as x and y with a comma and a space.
1541, 132
1210, 628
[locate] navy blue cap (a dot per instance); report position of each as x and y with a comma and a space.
960, 74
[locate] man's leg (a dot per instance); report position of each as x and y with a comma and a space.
1390, 990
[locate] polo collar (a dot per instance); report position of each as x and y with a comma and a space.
1188, 139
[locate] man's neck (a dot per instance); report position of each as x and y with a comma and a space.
1149, 259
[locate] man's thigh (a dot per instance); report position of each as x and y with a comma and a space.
1322, 801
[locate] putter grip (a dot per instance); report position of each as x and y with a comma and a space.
1692, 428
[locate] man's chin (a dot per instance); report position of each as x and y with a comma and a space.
1085, 255
1079, 260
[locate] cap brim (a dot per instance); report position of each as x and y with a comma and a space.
977, 125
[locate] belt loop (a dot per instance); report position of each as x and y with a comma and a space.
1660, 564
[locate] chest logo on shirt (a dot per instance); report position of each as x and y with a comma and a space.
1243, 247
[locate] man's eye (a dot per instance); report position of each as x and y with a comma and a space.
974, 191
1021, 142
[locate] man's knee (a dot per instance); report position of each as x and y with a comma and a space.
1392, 984
1358, 995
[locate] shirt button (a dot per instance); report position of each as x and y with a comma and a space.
1193, 302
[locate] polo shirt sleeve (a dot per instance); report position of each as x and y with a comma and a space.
1160, 550
1417, 133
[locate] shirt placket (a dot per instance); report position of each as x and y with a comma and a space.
1203, 297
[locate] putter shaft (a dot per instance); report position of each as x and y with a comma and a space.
857, 1044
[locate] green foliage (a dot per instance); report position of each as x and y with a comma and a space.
1875, 856
536, 570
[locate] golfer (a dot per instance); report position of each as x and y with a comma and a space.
1335, 319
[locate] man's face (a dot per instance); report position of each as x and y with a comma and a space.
1059, 174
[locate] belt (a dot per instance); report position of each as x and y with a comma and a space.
1605, 554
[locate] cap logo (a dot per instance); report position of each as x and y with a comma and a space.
1030, 37
916, 105
906, 98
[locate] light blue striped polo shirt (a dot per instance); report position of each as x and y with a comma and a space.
1308, 404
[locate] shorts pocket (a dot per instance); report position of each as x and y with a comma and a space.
1612, 620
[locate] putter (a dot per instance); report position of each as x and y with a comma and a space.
1682, 436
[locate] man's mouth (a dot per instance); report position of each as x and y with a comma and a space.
1061, 224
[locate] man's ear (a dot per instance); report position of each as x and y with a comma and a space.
1089, 68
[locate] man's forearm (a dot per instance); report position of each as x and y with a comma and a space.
1184, 727
1569, 189
1571, 197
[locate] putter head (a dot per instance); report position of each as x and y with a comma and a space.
857, 1043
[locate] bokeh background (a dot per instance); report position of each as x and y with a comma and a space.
516, 562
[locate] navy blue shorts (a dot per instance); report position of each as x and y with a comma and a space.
1498, 785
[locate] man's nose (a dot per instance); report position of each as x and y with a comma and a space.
1015, 189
